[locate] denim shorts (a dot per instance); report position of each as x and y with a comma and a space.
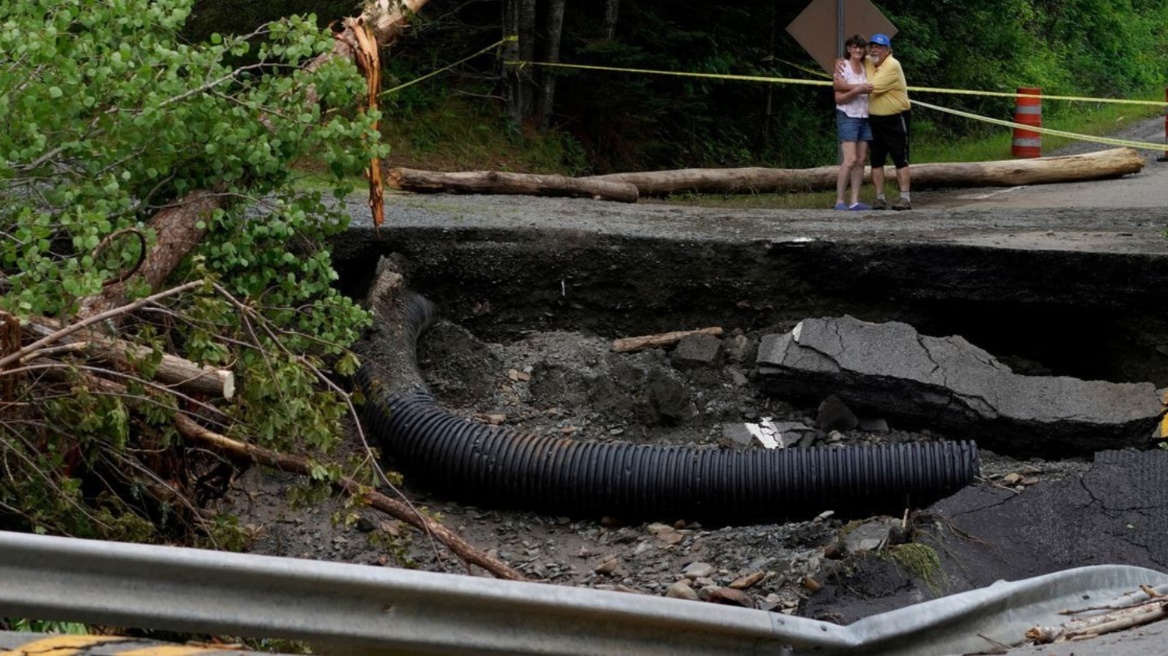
852, 129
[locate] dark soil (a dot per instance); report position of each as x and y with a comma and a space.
573, 384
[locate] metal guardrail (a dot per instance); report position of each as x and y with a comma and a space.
358, 609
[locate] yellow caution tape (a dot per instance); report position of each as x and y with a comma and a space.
446, 68
1062, 133
809, 71
70, 645
1010, 94
1001, 94
59, 645
787, 80
713, 76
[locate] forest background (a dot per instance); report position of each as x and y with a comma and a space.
477, 116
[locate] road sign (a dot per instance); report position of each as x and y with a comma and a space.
821, 32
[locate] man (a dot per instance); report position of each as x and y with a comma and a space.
888, 114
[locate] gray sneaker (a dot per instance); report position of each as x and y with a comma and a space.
902, 204
879, 204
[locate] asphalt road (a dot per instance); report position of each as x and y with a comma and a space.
1123, 215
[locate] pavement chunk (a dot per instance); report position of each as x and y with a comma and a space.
949, 385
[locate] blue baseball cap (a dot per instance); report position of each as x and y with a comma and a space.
881, 40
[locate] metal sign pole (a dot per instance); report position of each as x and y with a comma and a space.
839, 48
839, 27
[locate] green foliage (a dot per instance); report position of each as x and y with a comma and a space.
394, 541
223, 532
626, 121
633, 121
919, 561
605, 121
110, 117
432, 131
1092, 48
42, 626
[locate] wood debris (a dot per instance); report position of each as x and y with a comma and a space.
1091, 627
632, 344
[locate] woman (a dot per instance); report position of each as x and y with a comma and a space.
851, 119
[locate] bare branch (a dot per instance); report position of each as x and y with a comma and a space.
34, 467
376, 500
8, 360
211, 85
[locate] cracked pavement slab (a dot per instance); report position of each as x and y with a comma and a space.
950, 385
1114, 513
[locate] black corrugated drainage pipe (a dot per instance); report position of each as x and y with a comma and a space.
490, 466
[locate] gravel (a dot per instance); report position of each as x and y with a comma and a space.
573, 384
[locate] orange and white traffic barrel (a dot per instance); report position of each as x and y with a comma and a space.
1028, 111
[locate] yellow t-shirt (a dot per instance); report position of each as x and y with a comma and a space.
889, 89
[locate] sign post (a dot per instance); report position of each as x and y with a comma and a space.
839, 26
824, 25
813, 27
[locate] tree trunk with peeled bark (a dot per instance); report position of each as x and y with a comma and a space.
611, 9
179, 228
527, 37
172, 370
1071, 168
387, 18
547, 95
497, 182
510, 73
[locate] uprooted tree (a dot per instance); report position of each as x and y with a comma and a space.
166, 302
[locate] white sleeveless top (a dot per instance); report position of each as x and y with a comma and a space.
857, 107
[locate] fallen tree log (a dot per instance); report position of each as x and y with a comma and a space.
179, 228
498, 182
1006, 173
